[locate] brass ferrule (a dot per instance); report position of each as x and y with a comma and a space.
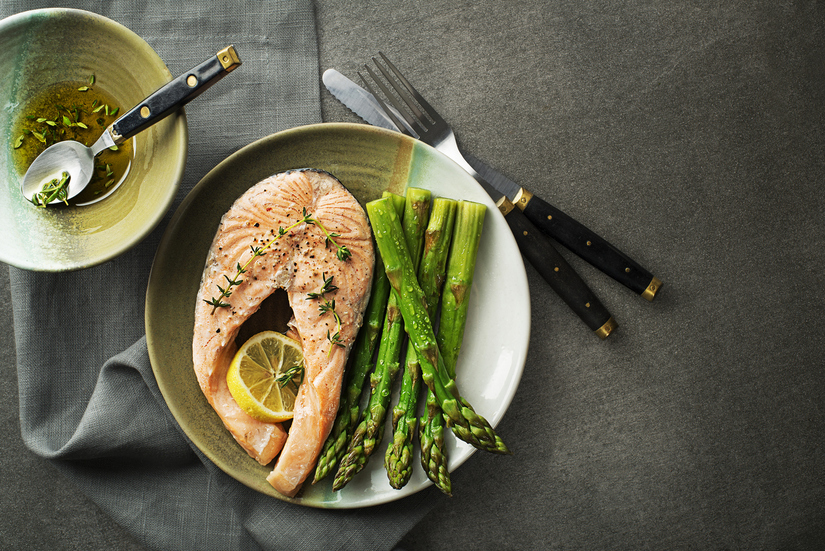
522, 198
116, 137
652, 288
605, 330
229, 58
504, 205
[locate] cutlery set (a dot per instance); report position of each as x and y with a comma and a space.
530, 218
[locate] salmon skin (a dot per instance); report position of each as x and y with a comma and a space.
298, 262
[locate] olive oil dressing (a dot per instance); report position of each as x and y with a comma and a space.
78, 111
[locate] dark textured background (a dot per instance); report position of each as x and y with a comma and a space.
691, 136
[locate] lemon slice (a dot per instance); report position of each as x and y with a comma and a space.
264, 376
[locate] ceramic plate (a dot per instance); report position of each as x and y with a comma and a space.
368, 161
44, 47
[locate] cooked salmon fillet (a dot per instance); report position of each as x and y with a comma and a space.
298, 263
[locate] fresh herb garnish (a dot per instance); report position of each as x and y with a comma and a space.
65, 120
342, 253
327, 288
335, 339
328, 306
66, 113
54, 189
289, 376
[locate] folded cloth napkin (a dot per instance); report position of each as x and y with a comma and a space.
88, 397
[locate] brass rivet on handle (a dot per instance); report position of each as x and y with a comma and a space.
192, 81
522, 198
504, 205
228, 58
145, 112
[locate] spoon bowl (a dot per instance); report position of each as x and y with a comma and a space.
66, 156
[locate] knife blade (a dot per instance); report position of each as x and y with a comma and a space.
549, 219
540, 252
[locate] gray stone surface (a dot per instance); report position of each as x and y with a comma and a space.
690, 136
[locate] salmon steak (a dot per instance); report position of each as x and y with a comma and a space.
315, 206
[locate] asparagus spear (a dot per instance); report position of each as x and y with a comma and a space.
460, 270
361, 363
454, 301
369, 432
359, 367
459, 415
398, 459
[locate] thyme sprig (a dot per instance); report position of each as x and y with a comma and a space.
289, 377
341, 252
328, 306
54, 189
328, 287
217, 302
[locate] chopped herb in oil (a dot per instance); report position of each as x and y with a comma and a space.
77, 111
55, 189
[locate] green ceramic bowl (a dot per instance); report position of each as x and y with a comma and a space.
44, 47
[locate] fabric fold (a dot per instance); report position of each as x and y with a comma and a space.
112, 425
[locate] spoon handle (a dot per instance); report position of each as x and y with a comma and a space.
175, 94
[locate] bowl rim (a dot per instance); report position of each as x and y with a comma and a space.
177, 171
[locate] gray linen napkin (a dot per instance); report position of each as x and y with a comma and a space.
88, 398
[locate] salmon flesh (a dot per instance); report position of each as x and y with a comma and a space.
298, 262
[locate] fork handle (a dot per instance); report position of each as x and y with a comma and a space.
559, 274
588, 245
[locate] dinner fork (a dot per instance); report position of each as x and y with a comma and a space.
422, 121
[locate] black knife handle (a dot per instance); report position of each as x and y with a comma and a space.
175, 94
588, 245
558, 273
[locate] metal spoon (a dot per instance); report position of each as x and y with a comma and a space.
78, 160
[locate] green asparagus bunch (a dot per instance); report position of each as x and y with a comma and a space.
459, 415
452, 321
398, 459
369, 432
360, 366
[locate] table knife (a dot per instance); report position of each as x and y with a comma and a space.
549, 219
539, 251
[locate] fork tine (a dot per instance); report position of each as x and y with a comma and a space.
432, 113
410, 120
402, 93
401, 126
